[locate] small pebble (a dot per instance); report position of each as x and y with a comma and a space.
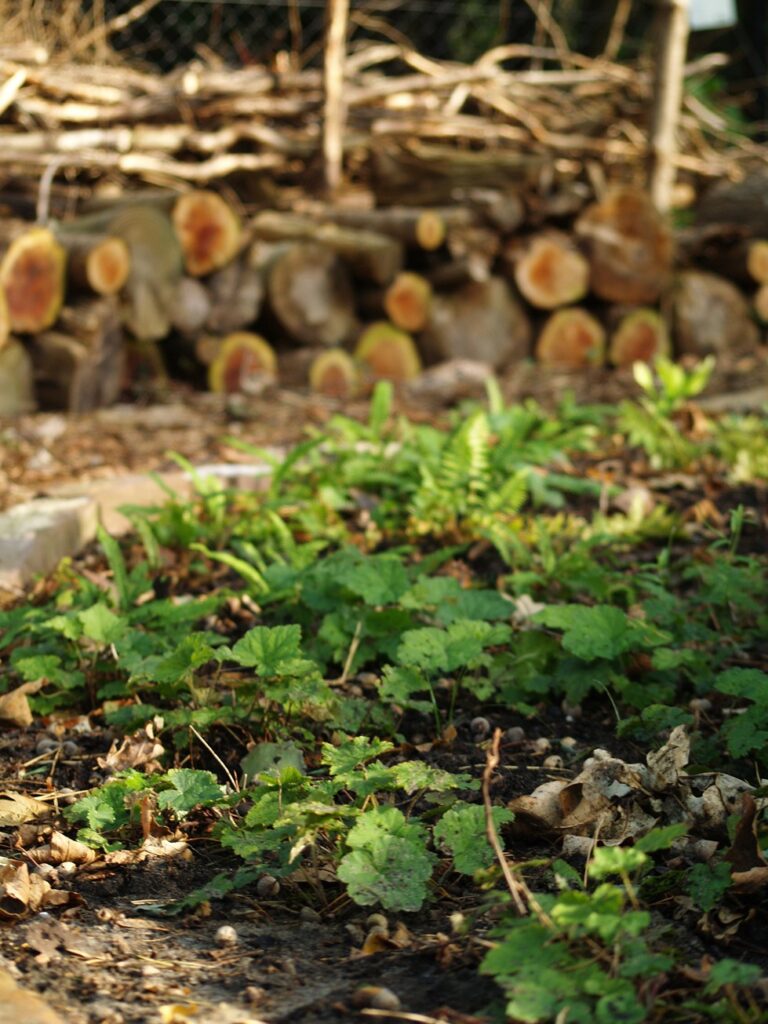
67, 869
699, 705
553, 761
46, 745
515, 734
226, 935
255, 995
376, 997
70, 749
150, 971
309, 916
48, 872
568, 743
600, 754
541, 745
267, 886
480, 727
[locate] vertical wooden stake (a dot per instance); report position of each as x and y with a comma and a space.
334, 113
673, 43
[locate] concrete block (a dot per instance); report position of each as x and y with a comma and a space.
36, 535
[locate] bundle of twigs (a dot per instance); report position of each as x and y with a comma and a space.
518, 111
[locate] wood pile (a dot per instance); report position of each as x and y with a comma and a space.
488, 216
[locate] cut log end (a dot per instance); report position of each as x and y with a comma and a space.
641, 336
245, 363
334, 374
629, 245
107, 266
208, 229
760, 303
757, 261
32, 277
311, 295
552, 273
408, 300
571, 339
388, 352
430, 230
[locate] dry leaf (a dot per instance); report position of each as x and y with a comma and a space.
16, 808
18, 1006
63, 848
136, 751
14, 706
666, 764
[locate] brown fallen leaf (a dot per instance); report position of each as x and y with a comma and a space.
140, 750
14, 706
22, 893
63, 848
17, 1005
16, 809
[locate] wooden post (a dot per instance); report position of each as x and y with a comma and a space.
334, 113
668, 94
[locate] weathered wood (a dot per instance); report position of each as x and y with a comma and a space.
32, 276
369, 255
150, 293
191, 308
549, 270
640, 336
310, 294
236, 294
709, 315
208, 229
481, 321
760, 303
743, 203
421, 227
629, 246
244, 363
5, 320
80, 365
450, 382
17, 393
388, 352
571, 338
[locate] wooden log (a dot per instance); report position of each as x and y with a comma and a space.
80, 365
571, 339
629, 246
760, 303
191, 308
245, 363
757, 260
709, 315
640, 336
549, 270
481, 321
32, 276
476, 246
208, 229
17, 392
311, 295
369, 255
5, 321
419, 227
100, 264
335, 374
743, 203
388, 352
450, 382
236, 293
150, 293
727, 250
431, 173
408, 300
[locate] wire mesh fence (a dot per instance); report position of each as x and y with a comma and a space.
255, 31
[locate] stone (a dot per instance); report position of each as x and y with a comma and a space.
36, 535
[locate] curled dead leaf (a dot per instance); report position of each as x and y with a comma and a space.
14, 706
16, 809
61, 848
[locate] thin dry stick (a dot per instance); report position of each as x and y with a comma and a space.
518, 889
334, 113
669, 94
550, 26
617, 29
213, 753
294, 24
100, 33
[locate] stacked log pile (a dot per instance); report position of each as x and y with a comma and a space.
488, 216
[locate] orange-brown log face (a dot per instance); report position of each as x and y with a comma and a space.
108, 267
31, 290
386, 361
334, 382
202, 237
243, 365
641, 345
